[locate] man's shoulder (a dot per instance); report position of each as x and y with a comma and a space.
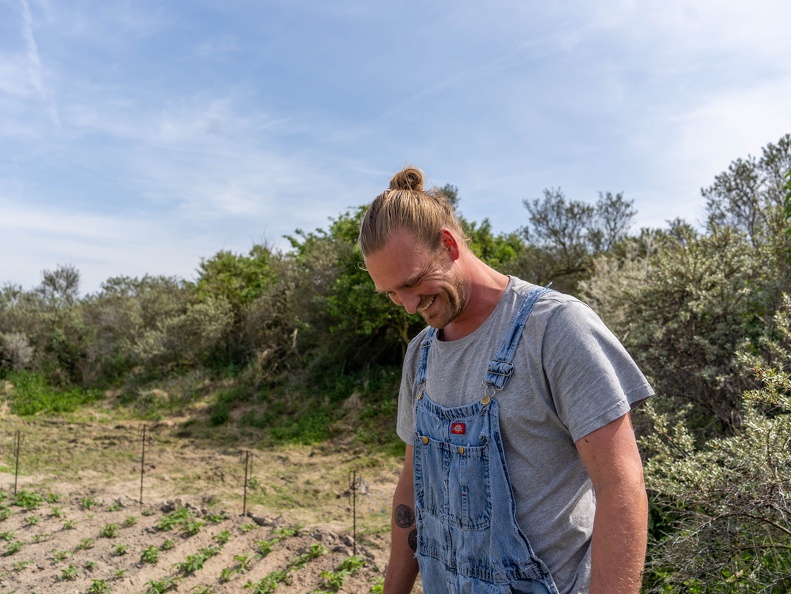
555, 314
549, 301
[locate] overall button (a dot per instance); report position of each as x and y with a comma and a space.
461, 450
424, 439
485, 400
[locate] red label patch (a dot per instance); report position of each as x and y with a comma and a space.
458, 428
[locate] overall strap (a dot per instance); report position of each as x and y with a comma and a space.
420, 376
501, 366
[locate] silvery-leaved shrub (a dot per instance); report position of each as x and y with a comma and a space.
16, 353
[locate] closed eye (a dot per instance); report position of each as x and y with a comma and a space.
410, 284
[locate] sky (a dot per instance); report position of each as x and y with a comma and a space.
140, 137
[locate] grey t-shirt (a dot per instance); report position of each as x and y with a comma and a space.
571, 376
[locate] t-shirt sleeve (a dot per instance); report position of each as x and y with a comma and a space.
591, 377
405, 426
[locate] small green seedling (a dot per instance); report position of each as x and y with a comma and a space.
60, 555
88, 502
120, 549
98, 587
85, 544
160, 586
69, 573
167, 545
110, 531
150, 555
222, 537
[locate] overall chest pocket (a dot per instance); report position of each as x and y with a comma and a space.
452, 483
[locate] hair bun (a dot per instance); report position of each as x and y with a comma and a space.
409, 178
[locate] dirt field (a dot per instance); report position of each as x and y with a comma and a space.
76, 523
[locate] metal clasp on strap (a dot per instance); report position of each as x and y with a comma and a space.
488, 393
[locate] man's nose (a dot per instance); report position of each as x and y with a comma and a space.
409, 301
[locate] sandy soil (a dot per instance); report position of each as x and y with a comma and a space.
88, 530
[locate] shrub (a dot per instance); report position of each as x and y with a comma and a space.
16, 353
728, 502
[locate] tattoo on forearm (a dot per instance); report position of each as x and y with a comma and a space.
404, 516
412, 540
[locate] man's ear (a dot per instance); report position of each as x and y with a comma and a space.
450, 244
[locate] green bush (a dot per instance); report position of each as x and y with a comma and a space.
220, 414
726, 503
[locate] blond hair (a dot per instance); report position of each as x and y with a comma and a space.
406, 205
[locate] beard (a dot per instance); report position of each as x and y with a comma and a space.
448, 304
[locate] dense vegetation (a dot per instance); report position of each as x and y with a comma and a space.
294, 341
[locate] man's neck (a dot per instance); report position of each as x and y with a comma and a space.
485, 288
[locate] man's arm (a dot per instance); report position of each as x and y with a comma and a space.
620, 527
402, 568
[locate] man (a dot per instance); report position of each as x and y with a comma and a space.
521, 472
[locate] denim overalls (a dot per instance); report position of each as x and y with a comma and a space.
468, 540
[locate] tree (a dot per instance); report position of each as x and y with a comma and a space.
612, 220
750, 195
134, 323
62, 336
501, 251
451, 192
788, 209
567, 234
233, 282
560, 226
345, 318
60, 287
237, 278
498, 251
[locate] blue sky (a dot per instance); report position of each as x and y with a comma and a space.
137, 137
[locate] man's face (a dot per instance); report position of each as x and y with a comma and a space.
418, 279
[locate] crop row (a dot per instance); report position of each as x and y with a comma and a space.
122, 556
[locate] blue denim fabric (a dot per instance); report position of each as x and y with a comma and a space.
468, 539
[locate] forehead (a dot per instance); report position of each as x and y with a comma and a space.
402, 260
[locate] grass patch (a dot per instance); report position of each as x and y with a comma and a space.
308, 429
32, 394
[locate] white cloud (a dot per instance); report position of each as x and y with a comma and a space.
35, 67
